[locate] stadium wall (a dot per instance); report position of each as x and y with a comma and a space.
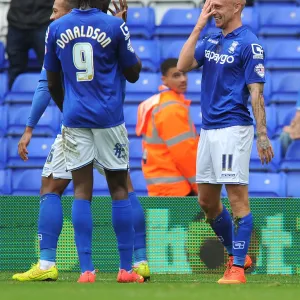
178, 239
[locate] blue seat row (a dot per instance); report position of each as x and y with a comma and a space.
28, 182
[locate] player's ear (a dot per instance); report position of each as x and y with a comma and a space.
164, 80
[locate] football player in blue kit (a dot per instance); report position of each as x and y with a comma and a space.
55, 179
233, 69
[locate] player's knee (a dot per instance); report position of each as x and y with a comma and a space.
204, 203
52, 186
119, 193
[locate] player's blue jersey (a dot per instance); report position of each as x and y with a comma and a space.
92, 49
43, 75
230, 63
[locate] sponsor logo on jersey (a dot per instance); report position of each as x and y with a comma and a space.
222, 59
233, 47
129, 47
215, 42
239, 245
125, 31
258, 51
260, 70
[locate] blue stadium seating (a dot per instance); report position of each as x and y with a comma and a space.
171, 49
178, 22
135, 153
130, 115
267, 185
5, 182
141, 21
293, 189
149, 53
284, 115
255, 164
194, 86
23, 88
100, 185
139, 183
48, 125
282, 54
145, 87
3, 86
291, 161
26, 182
195, 111
3, 122
250, 18
279, 21
38, 150
3, 152
285, 87
2, 56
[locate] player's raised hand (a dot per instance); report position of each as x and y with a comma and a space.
24, 142
120, 12
264, 148
206, 13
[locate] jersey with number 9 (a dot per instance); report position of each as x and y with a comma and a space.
92, 49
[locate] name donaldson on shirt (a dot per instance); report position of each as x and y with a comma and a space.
222, 59
89, 32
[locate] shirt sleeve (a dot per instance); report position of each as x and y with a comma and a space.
200, 52
51, 62
253, 59
126, 54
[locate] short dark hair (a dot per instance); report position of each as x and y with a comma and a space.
72, 4
100, 4
168, 64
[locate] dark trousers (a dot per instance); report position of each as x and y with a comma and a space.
18, 44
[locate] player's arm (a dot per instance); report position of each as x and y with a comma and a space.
190, 57
181, 140
41, 100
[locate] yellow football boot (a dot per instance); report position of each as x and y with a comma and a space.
143, 270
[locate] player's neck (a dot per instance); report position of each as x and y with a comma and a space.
231, 26
85, 7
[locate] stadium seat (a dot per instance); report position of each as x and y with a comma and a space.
250, 18
3, 86
130, 115
178, 22
141, 21
48, 125
275, 20
23, 88
5, 182
135, 153
2, 56
145, 87
26, 182
139, 183
38, 151
32, 61
293, 189
284, 116
271, 116
194, 87
291, 161
267, 185
273, 166
282, 54
149, 53
100, 185
3, 153
171, 49
3, 122
285, 87
195, 111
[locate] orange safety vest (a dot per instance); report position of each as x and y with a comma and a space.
169, 144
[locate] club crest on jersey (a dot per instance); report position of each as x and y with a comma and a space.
125, 31
258, 51
260, 70
233, 47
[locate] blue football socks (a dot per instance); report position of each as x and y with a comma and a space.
83, 229
122, 220
222, 226
49, 225
139, 225
242, 230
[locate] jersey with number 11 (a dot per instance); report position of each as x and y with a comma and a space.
91, 49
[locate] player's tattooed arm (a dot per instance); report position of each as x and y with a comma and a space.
56, 88
264, 146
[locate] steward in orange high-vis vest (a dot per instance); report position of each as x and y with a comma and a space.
170, 139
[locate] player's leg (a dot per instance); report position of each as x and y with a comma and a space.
55, 179
235, 144
113, 154
210, 192
79, 155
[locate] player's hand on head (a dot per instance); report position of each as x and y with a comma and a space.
206, 13
22, 145
265, 149
120, 12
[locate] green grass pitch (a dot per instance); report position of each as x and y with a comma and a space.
167, 287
